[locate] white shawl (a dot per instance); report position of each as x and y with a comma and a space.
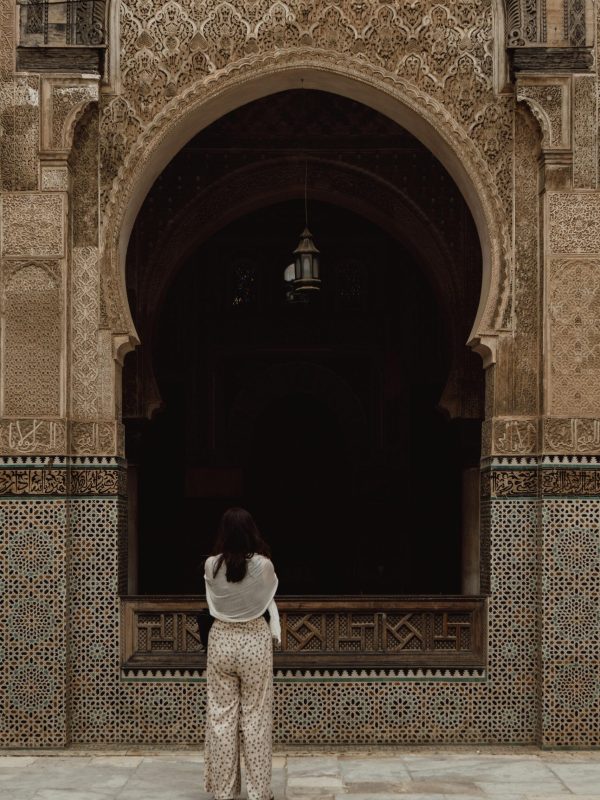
247, 599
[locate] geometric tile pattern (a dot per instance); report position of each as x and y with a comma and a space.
33, 643
570, 621
38, 560
315, 707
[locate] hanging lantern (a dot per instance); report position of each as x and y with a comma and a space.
306, 264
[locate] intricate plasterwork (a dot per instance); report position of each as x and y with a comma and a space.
55, 179
19, 132
31, 368
517, 373
521, 22
573, 346
39, 436
513, 436
434, 60
550, 103
83, 162
33, 662
569, 648
576, 27
96, 438
33, 225
21, 437
571, 435
574, 222
7, 39
585, 132
67, 102
85, 317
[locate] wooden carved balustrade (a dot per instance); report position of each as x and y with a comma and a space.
319, 632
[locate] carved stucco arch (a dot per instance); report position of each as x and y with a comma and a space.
221, 92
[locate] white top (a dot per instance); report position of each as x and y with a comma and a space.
243, 600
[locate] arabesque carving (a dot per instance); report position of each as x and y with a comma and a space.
55, 179
63, 100
31, 369
585, 133
33, 225
576, 26
574, 346
521, 23
574, 222
83, 163
549, 103
85, 317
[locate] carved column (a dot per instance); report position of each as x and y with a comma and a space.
570, 472
568, 480
34, 540
509, 500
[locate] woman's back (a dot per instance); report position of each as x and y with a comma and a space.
240, 601
239, 659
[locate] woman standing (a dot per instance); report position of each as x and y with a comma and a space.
240, 587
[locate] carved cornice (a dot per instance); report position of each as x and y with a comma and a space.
551, 59
61, 59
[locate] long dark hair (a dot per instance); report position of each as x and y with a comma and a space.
238, 540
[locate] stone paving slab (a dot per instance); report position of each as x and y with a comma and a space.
385, 774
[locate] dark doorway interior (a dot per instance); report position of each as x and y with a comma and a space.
322, 418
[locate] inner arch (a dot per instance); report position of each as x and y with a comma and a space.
229, 374
406, 106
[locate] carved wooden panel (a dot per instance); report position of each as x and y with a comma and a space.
319, 632
73, 22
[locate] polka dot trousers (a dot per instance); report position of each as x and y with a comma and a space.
239, 713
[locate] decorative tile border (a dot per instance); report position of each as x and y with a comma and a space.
538, 685
302, 676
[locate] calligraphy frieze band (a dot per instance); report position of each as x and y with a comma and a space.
553, 476
69, 477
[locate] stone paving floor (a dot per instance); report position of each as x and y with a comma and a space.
381, 774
